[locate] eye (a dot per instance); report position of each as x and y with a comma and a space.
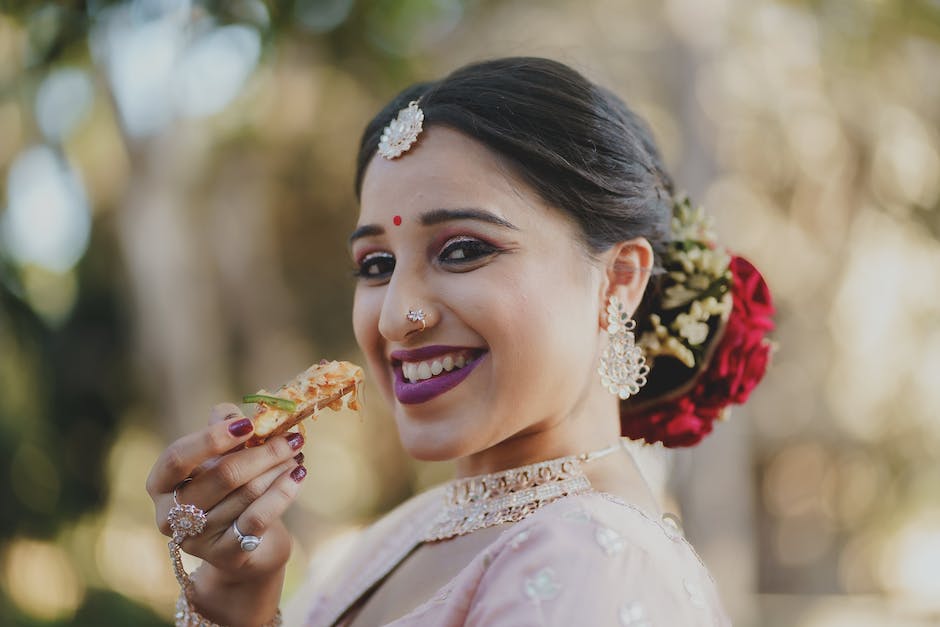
376, 265
464, 250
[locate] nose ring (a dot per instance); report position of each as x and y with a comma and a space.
418, 315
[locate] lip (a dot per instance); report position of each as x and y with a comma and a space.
409, 393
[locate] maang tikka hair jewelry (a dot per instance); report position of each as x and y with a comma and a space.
623, 367
402, 132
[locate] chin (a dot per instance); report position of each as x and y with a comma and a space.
429, 443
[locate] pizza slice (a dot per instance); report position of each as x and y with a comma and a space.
322, 385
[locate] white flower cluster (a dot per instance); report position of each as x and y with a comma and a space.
695, 266
690, 224
692, 325
660, 342
700, 268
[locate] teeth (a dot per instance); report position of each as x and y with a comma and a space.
424, 370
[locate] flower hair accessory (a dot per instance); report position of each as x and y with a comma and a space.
709, 332
402, 132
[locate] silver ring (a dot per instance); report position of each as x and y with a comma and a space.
185, 520
247, 543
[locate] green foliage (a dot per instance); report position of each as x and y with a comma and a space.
62, 404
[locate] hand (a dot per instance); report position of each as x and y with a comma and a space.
253, 486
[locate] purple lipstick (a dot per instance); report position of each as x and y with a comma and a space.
409, 393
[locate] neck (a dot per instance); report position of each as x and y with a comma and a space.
593, 426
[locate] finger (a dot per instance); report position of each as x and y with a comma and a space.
271, 505
224, 411
230, 472
219, 518
231, 507
221, 413
181, 458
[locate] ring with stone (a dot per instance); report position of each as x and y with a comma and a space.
185, 520
247, 543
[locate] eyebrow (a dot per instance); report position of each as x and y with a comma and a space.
438, 216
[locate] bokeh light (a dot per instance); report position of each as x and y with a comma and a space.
47, 221
910, 562
63, 101
321, 16
41, 580
214, 68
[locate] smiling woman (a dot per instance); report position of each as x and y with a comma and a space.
516, 225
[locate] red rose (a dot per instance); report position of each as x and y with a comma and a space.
677, 423
736, 368
752, 299
741, 357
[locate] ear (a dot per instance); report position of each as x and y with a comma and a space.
628, 267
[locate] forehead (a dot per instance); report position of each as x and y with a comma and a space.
444, 168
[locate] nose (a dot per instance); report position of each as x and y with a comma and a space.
408, 308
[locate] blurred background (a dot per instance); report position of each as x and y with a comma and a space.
175, 196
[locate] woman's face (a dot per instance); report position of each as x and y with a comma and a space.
506, 287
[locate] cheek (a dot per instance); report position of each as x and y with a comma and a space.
553, 318
365, 319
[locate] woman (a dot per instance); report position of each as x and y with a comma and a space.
513, 217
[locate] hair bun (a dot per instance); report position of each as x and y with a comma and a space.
705, 338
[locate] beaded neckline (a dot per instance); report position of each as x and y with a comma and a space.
508, 496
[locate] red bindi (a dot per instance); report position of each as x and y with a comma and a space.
397, 220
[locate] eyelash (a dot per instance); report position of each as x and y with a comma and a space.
477, 249
474, 250
362, 270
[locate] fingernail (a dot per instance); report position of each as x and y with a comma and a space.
299, 458
295, 440
240, 427
298, 474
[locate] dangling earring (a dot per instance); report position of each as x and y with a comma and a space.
623, 367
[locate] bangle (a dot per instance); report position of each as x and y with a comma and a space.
186, 614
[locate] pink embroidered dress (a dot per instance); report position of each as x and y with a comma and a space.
589, 559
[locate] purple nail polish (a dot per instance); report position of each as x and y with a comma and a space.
295, 440
240, 428
298, 474
299, 458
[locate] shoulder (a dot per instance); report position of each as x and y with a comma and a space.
591, 559
599, 526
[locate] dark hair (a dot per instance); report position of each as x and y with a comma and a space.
576, 144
